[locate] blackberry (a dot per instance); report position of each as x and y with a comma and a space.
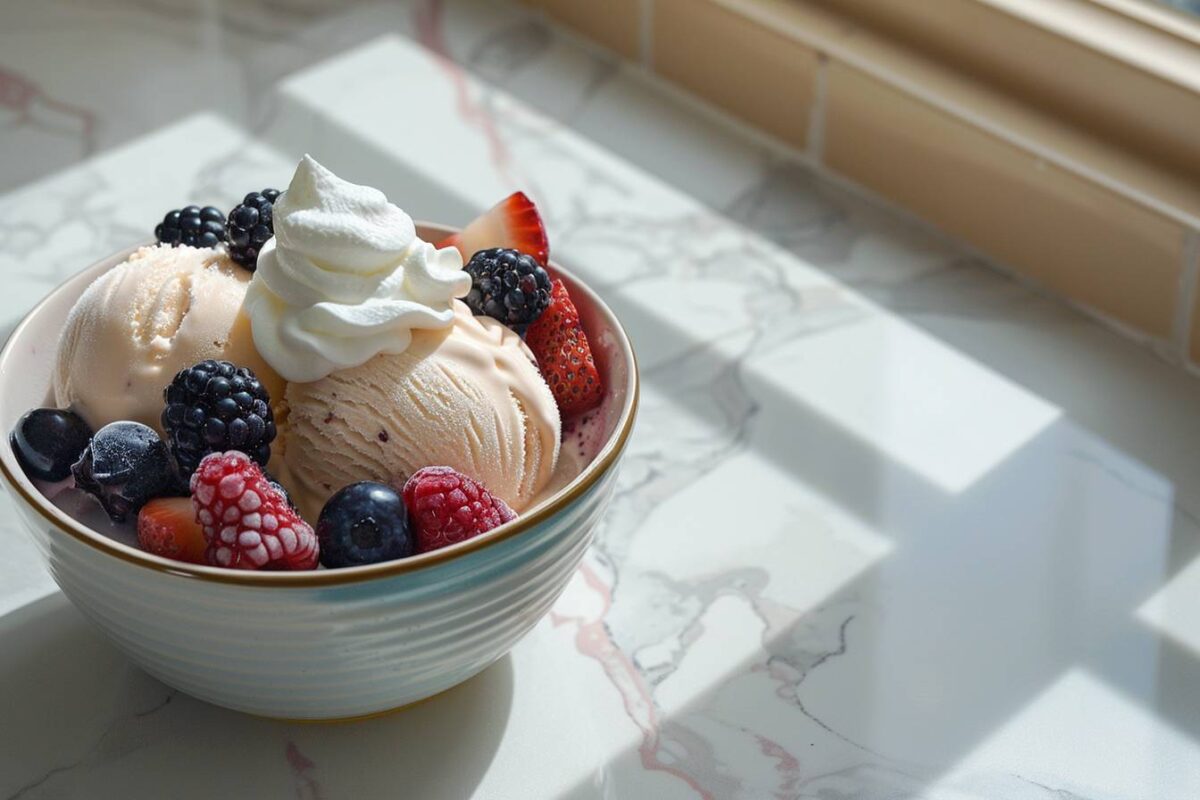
507, 285
250, 226
215, 406
193, 226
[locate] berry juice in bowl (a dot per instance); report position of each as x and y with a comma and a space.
309, 459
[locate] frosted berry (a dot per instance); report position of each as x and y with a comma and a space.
279, 487
123, 466
446, 507
364, 523
247, 524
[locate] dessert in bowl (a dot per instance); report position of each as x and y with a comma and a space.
404, 487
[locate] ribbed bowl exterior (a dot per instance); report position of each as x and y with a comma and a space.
327, 652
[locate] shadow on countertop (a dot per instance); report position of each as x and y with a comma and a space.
80, 720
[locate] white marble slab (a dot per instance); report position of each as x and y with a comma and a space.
891, 525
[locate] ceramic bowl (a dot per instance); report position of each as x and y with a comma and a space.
327, 644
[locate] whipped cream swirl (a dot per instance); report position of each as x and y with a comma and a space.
345, 278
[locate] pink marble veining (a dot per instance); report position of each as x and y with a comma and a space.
428, 18
20, 95
307, 787
592, 639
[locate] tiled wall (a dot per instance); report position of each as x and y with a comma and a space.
1051, 203
616, 24
718, 54
1065, 232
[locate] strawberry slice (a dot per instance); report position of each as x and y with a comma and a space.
513, 222
564, 355
167, 527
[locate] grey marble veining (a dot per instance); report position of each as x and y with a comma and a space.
891, 525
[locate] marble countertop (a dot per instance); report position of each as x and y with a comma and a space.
891, 526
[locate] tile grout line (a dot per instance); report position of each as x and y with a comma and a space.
646, 34
815, 148
1185, 299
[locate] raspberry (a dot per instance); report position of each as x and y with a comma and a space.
446, 507
563, 354
247, 523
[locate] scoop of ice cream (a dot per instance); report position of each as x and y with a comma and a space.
138, 324
469, 397
345, 278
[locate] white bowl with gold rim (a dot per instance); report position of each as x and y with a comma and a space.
326, 644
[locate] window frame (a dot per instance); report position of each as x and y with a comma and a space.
1122, 71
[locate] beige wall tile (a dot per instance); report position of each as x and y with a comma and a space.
615, 24
1069, 234
755, 73
1089, 88
1086, 148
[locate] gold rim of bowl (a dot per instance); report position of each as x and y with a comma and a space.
603, 461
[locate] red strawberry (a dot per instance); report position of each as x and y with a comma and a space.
564, 355
513, 222
247, 522
167, 527
445, 507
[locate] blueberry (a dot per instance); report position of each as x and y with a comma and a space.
47, 441
364, 523
124, 465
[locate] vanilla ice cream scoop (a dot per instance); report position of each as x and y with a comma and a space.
162, 310
468, 397
345, 278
